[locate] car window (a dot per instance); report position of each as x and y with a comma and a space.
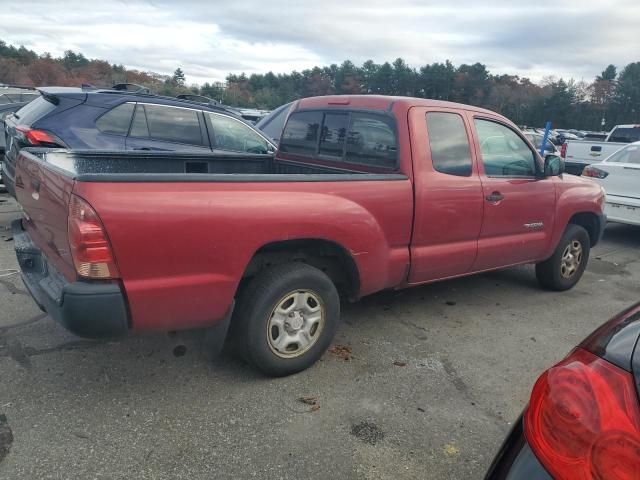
333, 134
231, 134
34, 111
273, 123
139, 126
173, 124
504, 153
625, 135
300, 135
117, 120
4, 99
372, 141
450, 151
630, 154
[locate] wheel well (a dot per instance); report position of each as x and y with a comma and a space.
327, 256
589, 222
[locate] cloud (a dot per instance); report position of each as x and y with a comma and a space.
566, 38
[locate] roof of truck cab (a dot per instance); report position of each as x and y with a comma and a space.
381, 102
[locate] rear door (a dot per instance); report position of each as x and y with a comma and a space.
164, 127
519, 208
448, 195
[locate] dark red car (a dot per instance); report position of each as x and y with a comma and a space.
365, 193
583, 419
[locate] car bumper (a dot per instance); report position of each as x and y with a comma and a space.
622, 209
91, 310
7, 179
516, 460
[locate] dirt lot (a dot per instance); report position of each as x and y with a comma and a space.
428, 384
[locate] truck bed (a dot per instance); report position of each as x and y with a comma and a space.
125, 166
184, 227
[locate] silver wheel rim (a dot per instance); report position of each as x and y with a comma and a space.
571, 259
295, 323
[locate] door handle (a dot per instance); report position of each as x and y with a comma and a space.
495, 197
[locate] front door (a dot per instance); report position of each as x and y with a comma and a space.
519, 207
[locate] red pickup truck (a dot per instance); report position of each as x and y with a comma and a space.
365, 193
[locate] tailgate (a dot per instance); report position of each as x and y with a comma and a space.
590, 152
44, 191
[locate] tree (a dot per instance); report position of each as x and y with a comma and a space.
178, 77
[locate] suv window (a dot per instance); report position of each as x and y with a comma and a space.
34, 111
117, 120
372, 140
139, 125
173, 124
504, 153
231, 134
300, 135
450, 151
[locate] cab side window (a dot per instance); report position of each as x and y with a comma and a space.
450, 151
504, 153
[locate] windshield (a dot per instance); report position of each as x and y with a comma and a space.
630, 154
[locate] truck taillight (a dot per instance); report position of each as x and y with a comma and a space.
39, 138
594, 172
583, 420
563, 150
90, 247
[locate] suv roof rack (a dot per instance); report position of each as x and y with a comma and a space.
131, 88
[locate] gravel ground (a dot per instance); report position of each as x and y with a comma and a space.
427, 386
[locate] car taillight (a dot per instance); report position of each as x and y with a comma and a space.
40, 138
583, 420
90, 247
563, 150
594, 172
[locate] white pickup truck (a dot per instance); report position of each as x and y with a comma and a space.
578, 154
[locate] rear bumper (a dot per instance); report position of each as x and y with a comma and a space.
516, 460
91, 310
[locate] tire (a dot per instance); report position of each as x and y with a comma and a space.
276, 325
559, 273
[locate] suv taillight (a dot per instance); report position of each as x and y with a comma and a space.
90, 247
563, 150
583, 420
594, 172
40, 138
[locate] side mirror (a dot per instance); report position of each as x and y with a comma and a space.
553, 166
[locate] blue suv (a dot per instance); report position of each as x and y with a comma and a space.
89, 118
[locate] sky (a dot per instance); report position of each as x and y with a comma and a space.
535, 38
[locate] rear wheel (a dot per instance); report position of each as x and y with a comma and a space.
569, 261
286, 318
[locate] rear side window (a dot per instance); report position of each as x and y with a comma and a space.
625, 135
301, 133
117, 120
450, 151
173, 124
34, 111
